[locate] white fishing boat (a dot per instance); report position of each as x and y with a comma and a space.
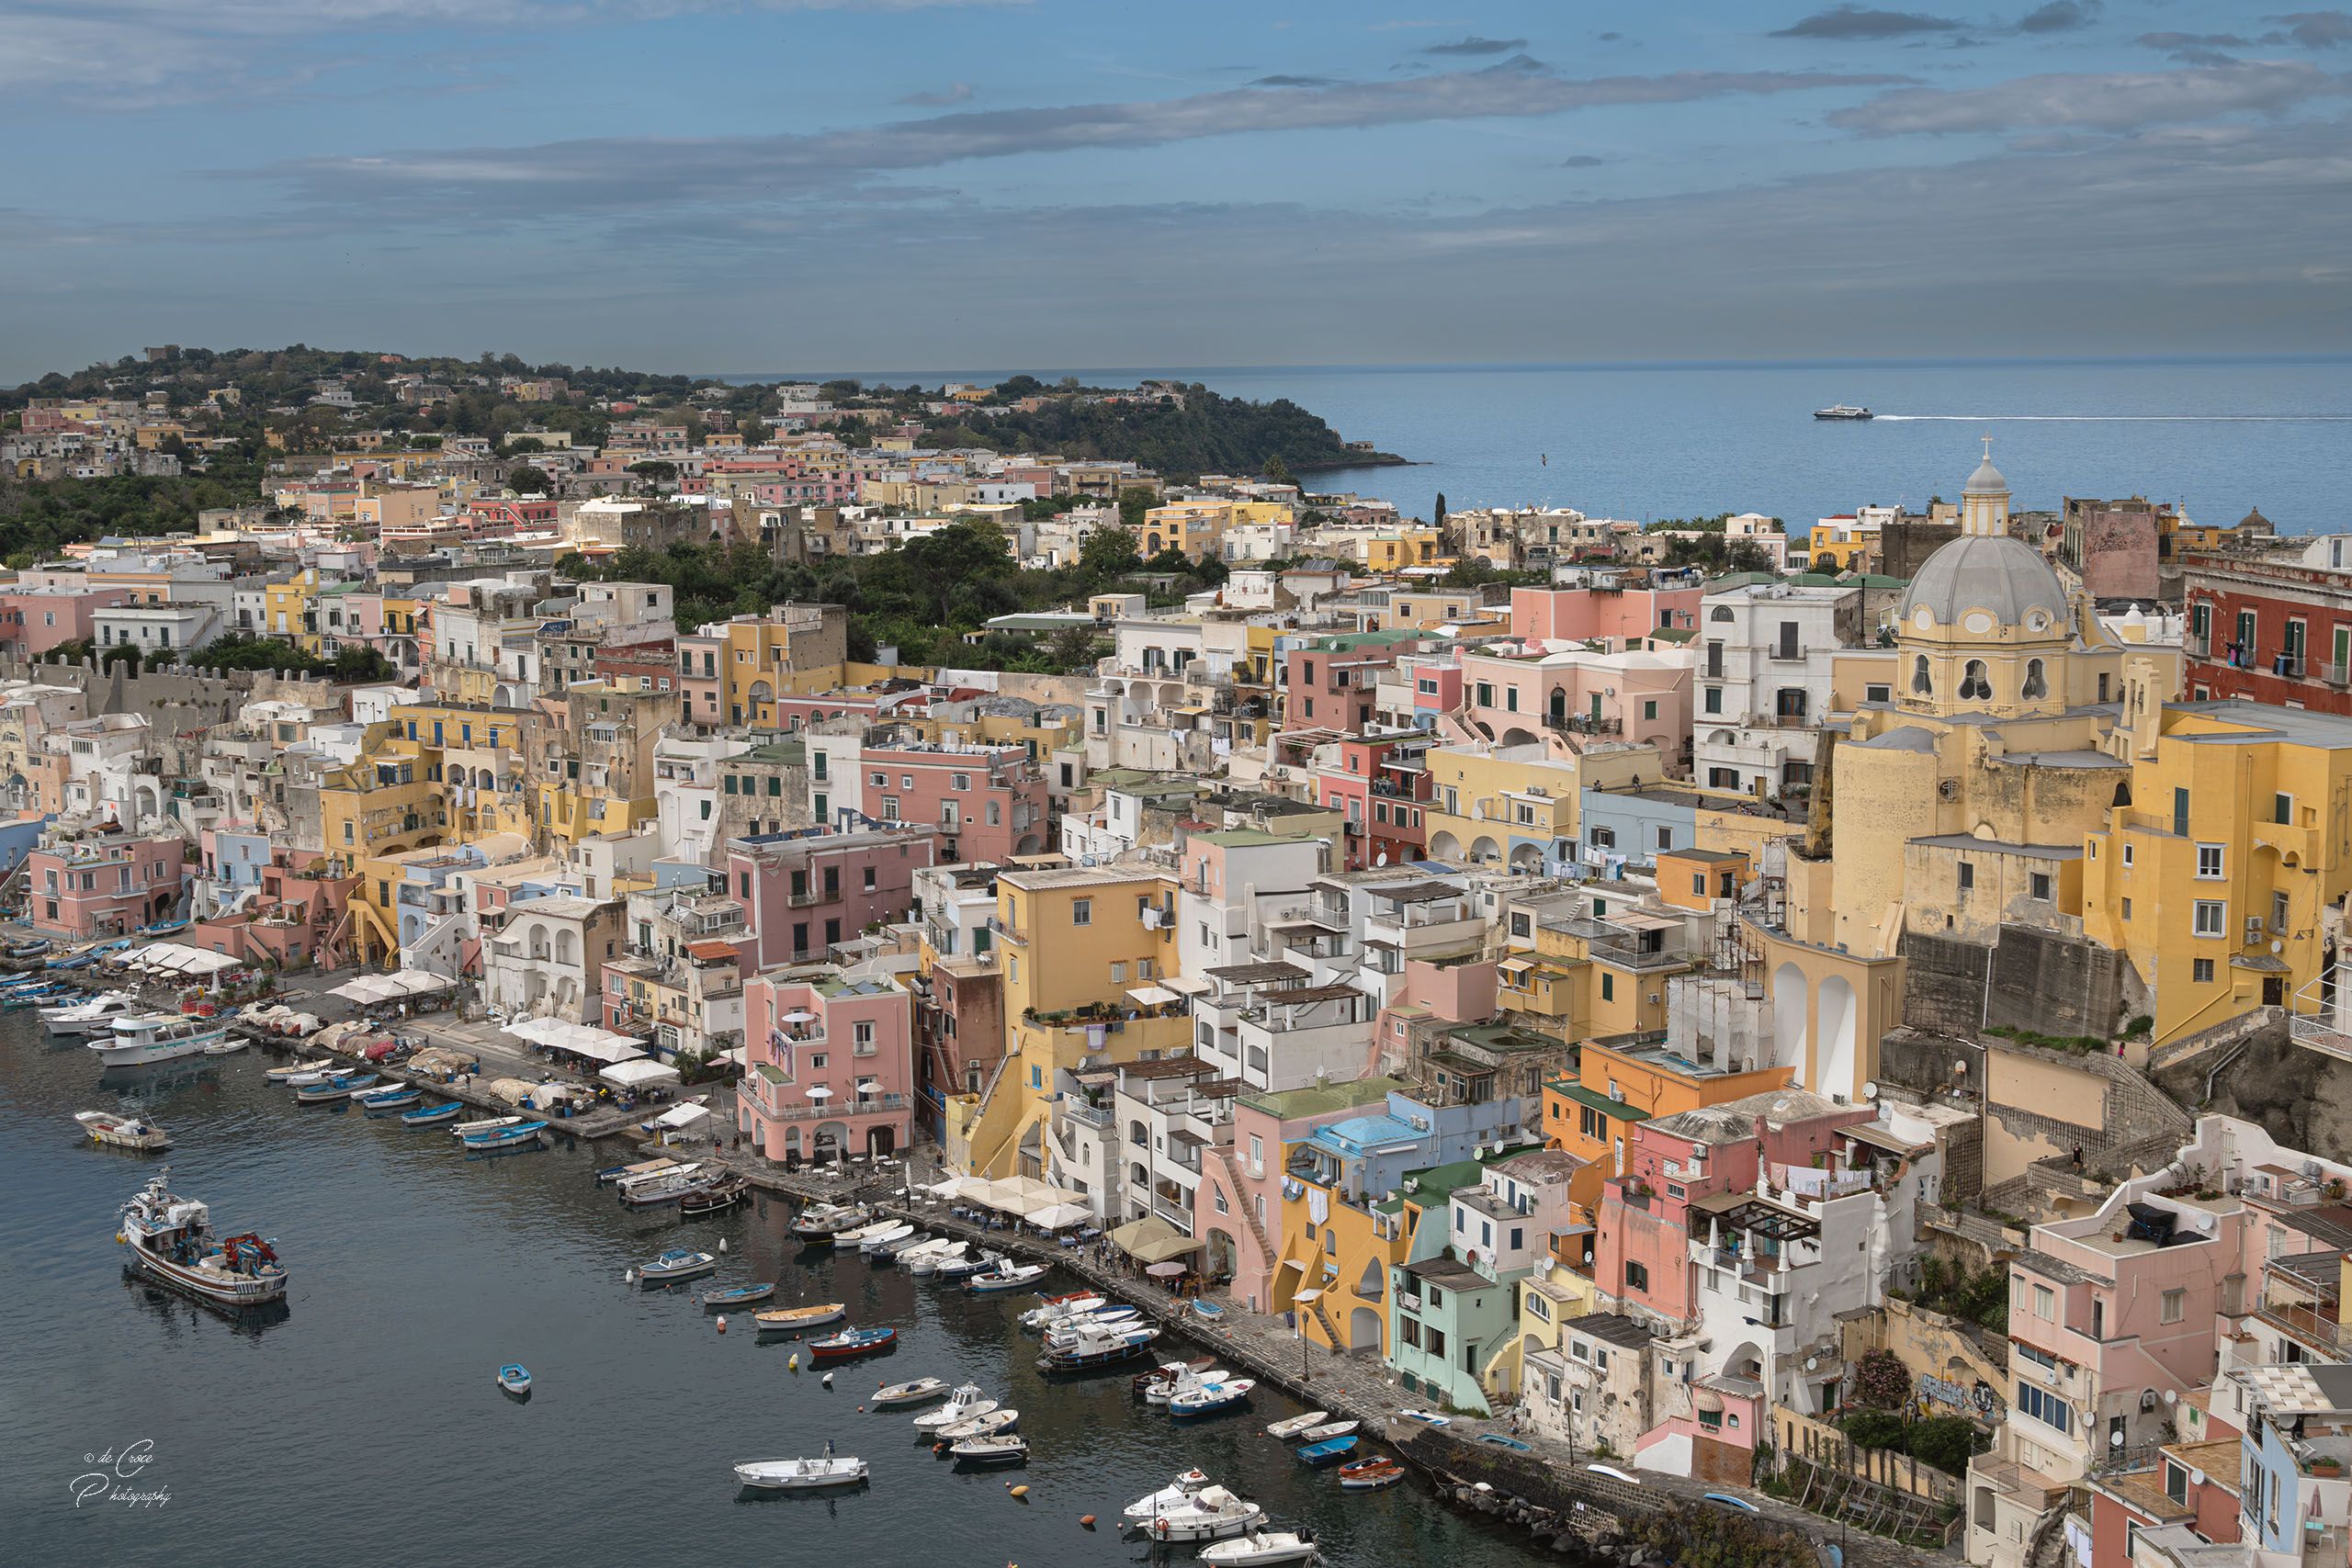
1211, 1398
1005, 1276
141, 1038
1145, 1509
123, 1132
1067, 1331
1291, 1428
875, 1241
170, 1241
301, 1072
952, 1255
799, 1474
488, 1124
1078, 1304
1329, 1431
918, 1391
908, 1256
966, 1403
1159, 1391
678, 1263
92, 1015
1263, 1549
1210, 1514
1001, 1448
986, 1425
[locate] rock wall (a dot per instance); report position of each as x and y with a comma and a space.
2029, 978
2297, 1095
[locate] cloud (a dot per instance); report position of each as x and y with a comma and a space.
2111, 101
1474, 46
1283, 80
1581, 161
2194, 48
2317, 29
616, 173
1851, 22
943, 97
2060, 16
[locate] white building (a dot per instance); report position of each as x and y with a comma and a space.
549, 959
1764, 683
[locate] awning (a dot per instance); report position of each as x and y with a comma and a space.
682, 1116
1152, 1240
178, 958
1635, 920
631, 1075
1060, 1216
1151, 996
1516, 965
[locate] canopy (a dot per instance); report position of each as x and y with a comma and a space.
1165, 1270
1152, 1240
178, 958
392, 987
1060, 1216
1151, 996
580, 1039
641, 1071
682, 1116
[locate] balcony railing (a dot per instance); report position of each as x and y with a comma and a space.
1009, 932
1097, 1116
819, 1109
2337, 674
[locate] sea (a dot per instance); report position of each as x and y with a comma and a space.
362, 1426
1649, 441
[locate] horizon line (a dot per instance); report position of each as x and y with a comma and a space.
1821, 363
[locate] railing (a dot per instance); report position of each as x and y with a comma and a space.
817, 1111
1011, 932
1096, 1116
1181, 1218
2197, 645
1586, 725
2337, 674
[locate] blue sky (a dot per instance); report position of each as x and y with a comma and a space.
750, 185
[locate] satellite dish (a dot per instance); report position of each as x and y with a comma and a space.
1812, 1362
1870, 1089
2115, 1437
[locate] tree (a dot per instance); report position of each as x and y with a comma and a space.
1074, 649
1108, 555
1278, 472
1438, 519
1134, 502
524, 479
1882, 1382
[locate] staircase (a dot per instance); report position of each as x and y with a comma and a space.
1330, 1329
1249, 1212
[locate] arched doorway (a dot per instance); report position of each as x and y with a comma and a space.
1834, 1053
1527, 858
1445, 846
1364, 1331
1486, 852
1557, 709
881, 1142
1789, 1012
830, 1143
1222, 1252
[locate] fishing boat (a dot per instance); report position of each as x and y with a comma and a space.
430, 1115
1332, 1450
1069, 1330
1187, 1379
823, 1225
1211, 1399
1075, 1305
138, 1039
170, 1241
1262, 1548
509, 1137
997, 1447
892, 1251
874, 1240
1329, 1431
337, 1086
715, 1199
33, 996
664, 1187
793, 1320
1094, 1351
1291, 1428
1371, 1474
32, 948
89, 1016
1003, 1418
1005, 1276
161, 928
959, 1264
799, 1474
1210, 1514
123, 1132
1142, 1380
738, 1295
1843, 411
298, 1072
613, 1173
391, 1096
1427, 1417
678, 1263
229, 1045
1150, 1506
914, 1392
515, 1378
966, 1403
852, 1342
464, 1130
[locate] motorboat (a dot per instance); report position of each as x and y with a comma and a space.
1843, 411
715, 1199
123, 1132
1427, 1417
1333, 1450
335, 1087
1371, 1474
907, 1258
1296, 1424
613, 1173
390, 1097
431, 1115
140, 1038
793, 1320
1331, 1429
1211, 1399
997, 1447
1093, 1350
1069, 1328
229, 1045
892, 1251
1262, 1549
464, 1130
915, 1392
664, 1187
826, 1224
854, 1235
1210, 1514
737, 1296
799, 1474
960, 1265
515, 1378
678, 1263
521, 1132
1167, 1370
1078, 1304
170, 1241
300, 1072
1003, 1418
874, 1240
1005, 1276
1186, 1380
852, 1342
966, 1403
90, 1016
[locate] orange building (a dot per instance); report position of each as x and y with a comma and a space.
1626, 1079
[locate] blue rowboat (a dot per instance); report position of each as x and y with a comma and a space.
852, 1342
515, 1378
1332, 1450
391, 1096
163, 927
738, 1295
506, 1137
431, 1114
1503, 1442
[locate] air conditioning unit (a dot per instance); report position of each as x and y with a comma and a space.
2254, 931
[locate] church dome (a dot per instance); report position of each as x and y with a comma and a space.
1986, 478
2004, 578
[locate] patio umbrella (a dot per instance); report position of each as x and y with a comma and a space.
1152, 1240
1059, 1216
819, 1091
1165, 1270
797, 1016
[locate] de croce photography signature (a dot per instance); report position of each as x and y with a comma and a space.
120, 1475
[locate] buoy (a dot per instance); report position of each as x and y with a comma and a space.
794, 1364
628, 1275
828, 1379
861, 1410
722, 1323
1020, 1491
722, 1244
1087, 1520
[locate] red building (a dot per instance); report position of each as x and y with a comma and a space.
2275, 630
804, 891
1378, 785
639, 666
988, 802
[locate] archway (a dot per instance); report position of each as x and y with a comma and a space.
1221, 1255
1515, 736
1558, 707
1445, 846
880, 1142
1364, 1331
1834, 1058
830, 1143
1527, 858
1486, 852
1789, 1015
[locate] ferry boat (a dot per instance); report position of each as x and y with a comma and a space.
1843, 411
123, 1132
171, 1242
157, 1037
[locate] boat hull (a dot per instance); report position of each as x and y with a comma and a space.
161, 1050
223, 1289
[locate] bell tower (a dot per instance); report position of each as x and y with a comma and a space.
1985, 503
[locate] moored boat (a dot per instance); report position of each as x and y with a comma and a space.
664, 1187
1143, 1380
678, 1263
1210, 1514
1297, 1424
1211, 1398
966, 1403
1066, 1331
892, 1251
293, 1072
1003, 1418
793, 1320
1077, 1304
1261, 1548
852, 1342
1371, 1474
117, 1132
1093, 1351
1427, 1417
874, 1240
1186, 1380
959, 1264
738, 1295
1005, 1276
799, 1474
1331, 1429
432, 1116
487, 1125
89, 1016
515, 1378
1332, 1450
170, 1241
140, 1038
339, 1086
1152, 1504
613, 1173
714, 1199
521, 1131
913, 1392
825, 1224
997, 1447
390, 1097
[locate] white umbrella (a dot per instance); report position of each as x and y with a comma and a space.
819, 1091
1058, 1216
797, 1016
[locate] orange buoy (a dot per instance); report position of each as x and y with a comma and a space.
1087, 1520
1020, 1491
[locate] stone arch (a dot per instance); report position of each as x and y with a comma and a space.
761, 692
1364, 1331
831, 1142
881, 1142
1445, 846
1516, 736
1171, 697
1527, 858
1030, 844
1790, 1015
1485, 850
506, 695
567, 945
1839, 1020
145, 802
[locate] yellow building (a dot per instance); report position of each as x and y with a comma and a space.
1582, 971
1345, 1258
2219, 878
289, 609
1073, 941
1485, 799
1195, 527
1409, 547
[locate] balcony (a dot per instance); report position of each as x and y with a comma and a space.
2198, 645
1096, 1116
2337, 674
817, 1111
1009, 932
1181, 1218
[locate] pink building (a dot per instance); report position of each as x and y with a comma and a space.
103, 884
988, 802
831, 1066
1264, 1126
804, 890
1330, 683
1517, 690
1618, 615
34, 620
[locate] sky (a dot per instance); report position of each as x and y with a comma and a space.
714, 186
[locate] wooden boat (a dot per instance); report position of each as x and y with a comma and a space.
1261, 1550
515, 1378
915, 1392
391, 1096
1330, 1430
852, 1342
967, 1402
1297, 1425
1334, 1450
678, 1263
1211, 1398
32, 948
342, 1085
227, 1045
715, 1199
1004, 1277
1003, 1418
1427, 1417
997, 1447
171, 1242
738, 1295
485, 1124
874, 1240
123, 1132
1077, 1304
293, 1072
1371, 1474
1167, 1370
161, 928
1501, 1441
521, 1132
799, 1474
613, 1173
793, 1320
430, 1115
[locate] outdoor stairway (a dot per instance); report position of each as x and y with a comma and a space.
1249, 1214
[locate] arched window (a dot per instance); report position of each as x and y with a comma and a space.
1720, 613
1974, 686
2035, 686
1921, 682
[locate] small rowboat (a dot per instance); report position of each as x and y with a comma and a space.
1004, 1277
914, 1393
1001, 1448
123, 1132
342, 1086
515, 1378
799, 1474
793, 1320
852, 1342
1371, 1474
1211, 1399
1334, 1451
1297, 1425
678, 1263
1503, 1442
1427, 1417
427, 1116
506, 1137
1001, 1420
738, 1295
391, 1096
1331, 1429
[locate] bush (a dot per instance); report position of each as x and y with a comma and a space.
1874, 1429
1882, 1382
1947, 1442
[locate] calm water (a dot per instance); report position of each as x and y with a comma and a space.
364, 1427
1651, 443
